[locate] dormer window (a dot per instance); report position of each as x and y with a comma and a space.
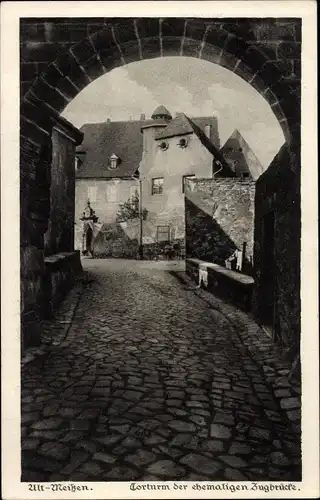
114, 161
77, 163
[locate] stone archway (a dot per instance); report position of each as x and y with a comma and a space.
59, 57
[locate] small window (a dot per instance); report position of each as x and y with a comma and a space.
245, 174
157, 185
183, 142
184, 179
92, 194
163, 233
163, 145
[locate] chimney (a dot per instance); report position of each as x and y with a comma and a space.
207, 130
142, 116
108, 120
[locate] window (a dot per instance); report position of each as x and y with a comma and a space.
157, 185
183, 142
245, 174
112, 193
163, 233
92, 194
163, 145
207, 130
184, 179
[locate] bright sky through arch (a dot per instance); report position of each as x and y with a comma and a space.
182, 84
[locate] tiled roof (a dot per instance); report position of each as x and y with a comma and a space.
237, 150
180, 125
123, 138
101, 140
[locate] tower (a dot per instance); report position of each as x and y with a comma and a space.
160, 119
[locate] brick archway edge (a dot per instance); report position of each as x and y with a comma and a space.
59, 57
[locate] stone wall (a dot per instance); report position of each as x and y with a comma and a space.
231, 286
46, 188
220, 219
59, 236
35, 173
277, 272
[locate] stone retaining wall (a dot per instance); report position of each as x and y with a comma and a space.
235, 288
220, 219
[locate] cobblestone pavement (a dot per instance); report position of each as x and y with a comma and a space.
152, 383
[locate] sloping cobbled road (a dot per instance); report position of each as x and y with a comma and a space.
150, 384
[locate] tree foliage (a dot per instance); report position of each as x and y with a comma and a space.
130, 209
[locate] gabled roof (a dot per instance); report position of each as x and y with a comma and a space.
123, 138
237, 149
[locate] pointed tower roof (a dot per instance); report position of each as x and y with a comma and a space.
237, 149
161, 112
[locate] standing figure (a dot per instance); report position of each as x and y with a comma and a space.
237, 257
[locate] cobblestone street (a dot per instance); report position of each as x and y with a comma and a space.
153, 383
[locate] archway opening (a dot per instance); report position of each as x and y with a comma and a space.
183, 84
235, 46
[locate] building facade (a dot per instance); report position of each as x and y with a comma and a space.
148, 160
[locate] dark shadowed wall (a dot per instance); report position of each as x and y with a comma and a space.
220, 219
276, 301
